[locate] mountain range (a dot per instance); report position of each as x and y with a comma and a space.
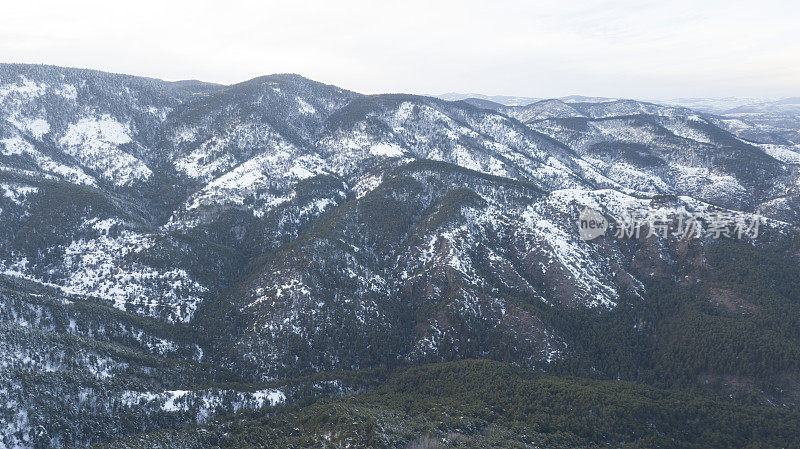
286, 263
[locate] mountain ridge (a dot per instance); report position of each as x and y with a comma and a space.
282, 227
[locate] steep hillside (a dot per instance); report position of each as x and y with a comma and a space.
174, 252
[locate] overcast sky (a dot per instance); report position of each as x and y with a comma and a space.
637, 49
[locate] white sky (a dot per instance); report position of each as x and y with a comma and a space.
622, 48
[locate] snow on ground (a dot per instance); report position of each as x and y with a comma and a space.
386, 149
366, 185
97, 267
17, 146
787, 154
17, 193
305, 108
588, 269
67, 91
637, 179
702, 182
680, 128
96, 141
22, 90
203, 403
36, 127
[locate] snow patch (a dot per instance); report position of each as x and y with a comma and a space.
785, 153
17, 193
305, 107
95, 143
386, 149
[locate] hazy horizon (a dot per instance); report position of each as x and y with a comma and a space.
620, 49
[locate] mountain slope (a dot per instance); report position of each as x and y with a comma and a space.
475, 404
170, 247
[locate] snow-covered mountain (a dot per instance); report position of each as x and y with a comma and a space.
169, 247
506, 100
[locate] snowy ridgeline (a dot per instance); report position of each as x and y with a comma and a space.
143, 204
